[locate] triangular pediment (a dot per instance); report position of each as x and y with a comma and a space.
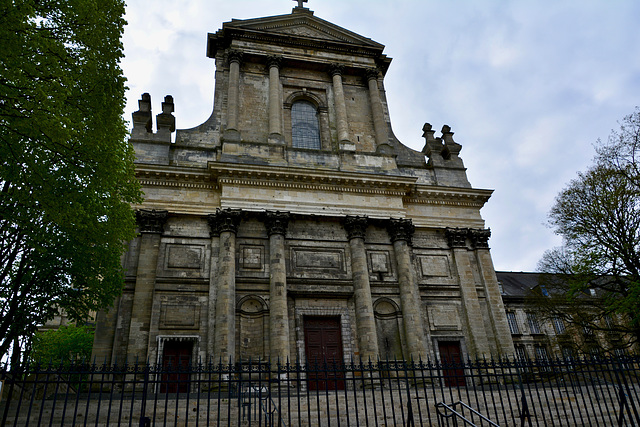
305, 25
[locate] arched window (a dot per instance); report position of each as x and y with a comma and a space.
305, 131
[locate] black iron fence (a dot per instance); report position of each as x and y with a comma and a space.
590, 391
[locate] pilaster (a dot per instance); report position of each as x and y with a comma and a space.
401, 232
480, 243
235, 59
151, 223
379, 123
276, 224
225, 223
275, 105
356, 227
457, 240
336, 70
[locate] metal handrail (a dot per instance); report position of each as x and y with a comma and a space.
459, 415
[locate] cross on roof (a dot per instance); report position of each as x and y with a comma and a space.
300, 2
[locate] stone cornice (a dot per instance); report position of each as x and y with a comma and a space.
171, 176
452, 196
310, 179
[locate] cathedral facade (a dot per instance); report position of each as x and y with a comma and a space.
293, 224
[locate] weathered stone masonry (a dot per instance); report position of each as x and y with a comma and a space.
293, 221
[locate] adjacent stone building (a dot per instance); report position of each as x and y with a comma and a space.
293, 224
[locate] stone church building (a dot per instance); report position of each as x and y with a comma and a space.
293, 224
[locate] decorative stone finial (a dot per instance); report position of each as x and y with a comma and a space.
151, 221
401, 229
451, 147
356, 226
276, 222
165, 120
300, 3
224, 220
142, 117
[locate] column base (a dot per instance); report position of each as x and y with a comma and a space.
347, 146
231, 135
276, 138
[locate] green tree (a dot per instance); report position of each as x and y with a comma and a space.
65, 344
594, 278
66, 169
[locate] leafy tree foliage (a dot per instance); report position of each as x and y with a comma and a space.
65, 344
594, 279
66, 170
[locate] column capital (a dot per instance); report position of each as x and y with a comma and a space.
276, 222
356, 226
371, 73
400, 229
457, 237
274, 61
234, 55
151, 220
480, 238
336, 69
224, 220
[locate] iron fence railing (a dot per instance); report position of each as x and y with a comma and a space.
506, 392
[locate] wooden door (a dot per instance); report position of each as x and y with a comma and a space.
451, 359
176, 360
323, 348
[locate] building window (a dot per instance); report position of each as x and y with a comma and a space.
558, 324
567, 353
521, 353
534, 326
513, 323
541, 354
305, 131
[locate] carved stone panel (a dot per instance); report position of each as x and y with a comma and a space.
316, 262
184, 256
252, 257
444, 318
179, 316
434, 266
380, 265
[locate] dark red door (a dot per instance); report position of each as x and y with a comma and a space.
176, 359
451, 359
323, 347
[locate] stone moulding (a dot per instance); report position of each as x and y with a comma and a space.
303, 178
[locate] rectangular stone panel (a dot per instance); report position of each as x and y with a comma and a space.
305, 258
179, 316
379, 261
434, 266
184, 256
444, 318
252, 257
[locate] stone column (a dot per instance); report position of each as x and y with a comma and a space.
225, 223
213, 285
235, 58
275, 105
336, 71
478, 343
151, 223
379, 123
401, 232
502, 334
356, 227
276, 224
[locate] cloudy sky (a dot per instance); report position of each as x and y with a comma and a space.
527, 86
